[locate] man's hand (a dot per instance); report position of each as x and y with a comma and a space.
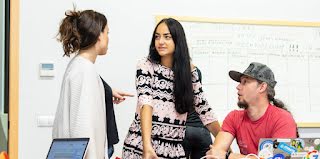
215, 153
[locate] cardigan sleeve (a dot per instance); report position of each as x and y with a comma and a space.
81, 109
87, 111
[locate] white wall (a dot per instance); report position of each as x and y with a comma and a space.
131, 24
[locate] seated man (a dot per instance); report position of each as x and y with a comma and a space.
262, 116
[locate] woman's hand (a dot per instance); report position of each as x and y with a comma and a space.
119, 96
148, 153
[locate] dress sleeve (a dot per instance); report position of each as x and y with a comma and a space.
144, 83
202, 106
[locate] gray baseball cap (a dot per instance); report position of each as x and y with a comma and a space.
257, 71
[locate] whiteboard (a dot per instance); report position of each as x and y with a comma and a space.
290, 49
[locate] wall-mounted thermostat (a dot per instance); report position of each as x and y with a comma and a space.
46, 69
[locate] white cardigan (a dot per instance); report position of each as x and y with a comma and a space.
81, 111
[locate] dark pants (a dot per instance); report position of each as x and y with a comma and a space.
196, 142
110, 151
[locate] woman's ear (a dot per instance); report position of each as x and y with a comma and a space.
99, 40
100, 37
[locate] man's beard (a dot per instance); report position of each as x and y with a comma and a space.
242, 105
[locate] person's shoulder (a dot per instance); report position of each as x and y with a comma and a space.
279, 112
196, 73
81, 67
81, 63
233, 120
236, 113
144, 63
281, 117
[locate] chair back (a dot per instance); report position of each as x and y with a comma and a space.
4, 155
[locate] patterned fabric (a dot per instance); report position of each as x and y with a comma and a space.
154, 84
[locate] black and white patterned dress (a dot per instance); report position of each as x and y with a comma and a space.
154, 84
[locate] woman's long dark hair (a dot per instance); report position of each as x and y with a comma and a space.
183, 91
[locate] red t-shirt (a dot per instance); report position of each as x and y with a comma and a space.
275, 123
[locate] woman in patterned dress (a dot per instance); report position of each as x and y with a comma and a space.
168, 87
